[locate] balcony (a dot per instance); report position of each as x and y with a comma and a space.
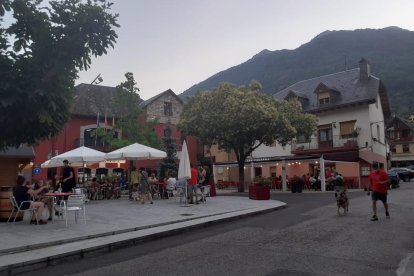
315, 146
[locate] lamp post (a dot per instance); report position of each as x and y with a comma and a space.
97, 80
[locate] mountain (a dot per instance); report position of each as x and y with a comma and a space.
390, 52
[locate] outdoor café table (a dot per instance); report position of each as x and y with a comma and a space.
56, 197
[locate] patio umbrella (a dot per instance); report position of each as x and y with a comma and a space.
78, 156
135, 152
184, 168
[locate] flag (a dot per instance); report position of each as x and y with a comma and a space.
97, 126
113, 121
106, 122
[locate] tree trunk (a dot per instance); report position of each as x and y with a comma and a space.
241, 177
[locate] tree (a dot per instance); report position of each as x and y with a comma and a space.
130, 118
241, 119
41, 52
170, 162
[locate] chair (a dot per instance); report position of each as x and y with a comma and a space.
74, 203
155, 191
18, 208
181, 194
205, 191
82, 191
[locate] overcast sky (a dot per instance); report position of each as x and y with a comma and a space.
177, 43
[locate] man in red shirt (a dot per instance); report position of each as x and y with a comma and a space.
192, 184
378, 179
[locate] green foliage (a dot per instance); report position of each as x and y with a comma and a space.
241, 119
40, 55
170, 162
263, 181
390, 52
130, 120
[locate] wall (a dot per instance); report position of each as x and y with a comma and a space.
155, 110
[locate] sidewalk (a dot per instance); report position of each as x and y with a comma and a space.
116, 223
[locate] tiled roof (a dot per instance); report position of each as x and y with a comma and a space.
91, 99
150, 100
408, 123
351, 89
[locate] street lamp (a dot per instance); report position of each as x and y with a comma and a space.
97, 80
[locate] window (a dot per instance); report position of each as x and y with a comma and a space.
406, 147
324, 98
393, 149
90, 138
378, 133
406, 133
168, 109
325, 133
347, 129
303, 139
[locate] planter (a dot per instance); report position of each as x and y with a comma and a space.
259, 193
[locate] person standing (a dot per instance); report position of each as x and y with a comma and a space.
145, 186
378, 179
68, 178
134, 181
192, 185
202, 179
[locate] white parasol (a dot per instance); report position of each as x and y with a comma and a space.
76, 157
135, 152
184, 168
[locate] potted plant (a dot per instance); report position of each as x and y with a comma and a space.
260, 188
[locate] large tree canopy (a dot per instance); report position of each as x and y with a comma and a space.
243, 118
41, 51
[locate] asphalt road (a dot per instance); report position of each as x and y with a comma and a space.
305, 238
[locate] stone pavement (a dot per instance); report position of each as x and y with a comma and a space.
115, 223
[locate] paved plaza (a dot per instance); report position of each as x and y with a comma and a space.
115, 223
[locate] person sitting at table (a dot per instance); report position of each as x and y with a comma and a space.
171, 182
23, 192
94, 189
144, 186
47, 200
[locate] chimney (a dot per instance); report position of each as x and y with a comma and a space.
364, 70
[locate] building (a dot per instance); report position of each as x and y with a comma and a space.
93, 108
352, 108
401, 142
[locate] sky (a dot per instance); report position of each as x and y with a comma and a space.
174, 44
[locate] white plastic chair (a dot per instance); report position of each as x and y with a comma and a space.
74, 203
18, 208
180, 187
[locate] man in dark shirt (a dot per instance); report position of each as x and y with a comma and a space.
24, 193
68, 178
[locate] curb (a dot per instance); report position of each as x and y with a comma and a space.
46, 256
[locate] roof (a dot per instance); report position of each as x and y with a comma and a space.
24, 152
408, 123
91, 99
153, 99
351, 89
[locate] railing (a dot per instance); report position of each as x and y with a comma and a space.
337, 141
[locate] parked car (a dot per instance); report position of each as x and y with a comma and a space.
393, 176
403, 173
